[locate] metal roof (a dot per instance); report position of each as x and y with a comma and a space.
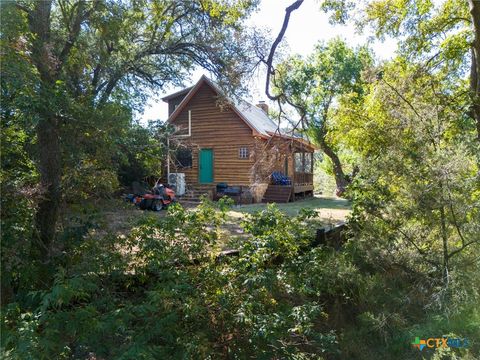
178, 93
256, 117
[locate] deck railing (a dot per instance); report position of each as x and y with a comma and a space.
303, 178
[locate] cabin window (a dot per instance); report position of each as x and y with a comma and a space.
243, 153
183, 158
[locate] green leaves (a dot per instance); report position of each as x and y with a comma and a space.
160, 292
427, 31
318, 83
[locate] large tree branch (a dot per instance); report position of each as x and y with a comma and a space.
39, 23
281, 34
74, 30
24, 9
473, 72
410, 105
97, 72
423, 253
109, 87
465, 245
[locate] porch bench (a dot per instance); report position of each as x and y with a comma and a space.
237, 193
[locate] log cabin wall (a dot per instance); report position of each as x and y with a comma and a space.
219, 129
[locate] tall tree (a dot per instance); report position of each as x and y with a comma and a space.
418, 177
87, 53
444, 36
315, 84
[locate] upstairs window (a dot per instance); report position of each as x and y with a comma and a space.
243, 153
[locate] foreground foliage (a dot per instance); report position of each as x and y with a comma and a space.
160, 293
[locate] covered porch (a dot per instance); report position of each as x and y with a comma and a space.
303, 174
292, 178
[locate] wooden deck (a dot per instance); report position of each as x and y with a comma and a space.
303, 188
286, 193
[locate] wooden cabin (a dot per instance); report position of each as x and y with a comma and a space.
217, 140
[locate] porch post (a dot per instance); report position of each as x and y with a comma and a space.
311, 163
303, 165
294, 168
294, 175
168, 158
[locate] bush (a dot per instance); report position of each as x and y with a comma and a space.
159, 293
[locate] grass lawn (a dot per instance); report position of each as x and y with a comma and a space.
330, 212
329, 208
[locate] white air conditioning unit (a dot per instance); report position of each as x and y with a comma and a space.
177, 180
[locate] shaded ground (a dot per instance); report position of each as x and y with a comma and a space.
119, 217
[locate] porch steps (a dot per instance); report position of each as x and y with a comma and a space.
192, 196
277, 194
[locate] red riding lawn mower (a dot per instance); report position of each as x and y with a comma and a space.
160, 197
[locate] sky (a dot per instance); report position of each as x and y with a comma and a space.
308, 25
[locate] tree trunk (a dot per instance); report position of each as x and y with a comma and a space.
475, 68
48, 141
49, 166
340, 178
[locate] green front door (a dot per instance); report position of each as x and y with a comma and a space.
205, 166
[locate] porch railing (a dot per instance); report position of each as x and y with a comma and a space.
303, 178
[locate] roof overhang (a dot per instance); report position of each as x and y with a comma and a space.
178, 93
191, 91
297, 139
